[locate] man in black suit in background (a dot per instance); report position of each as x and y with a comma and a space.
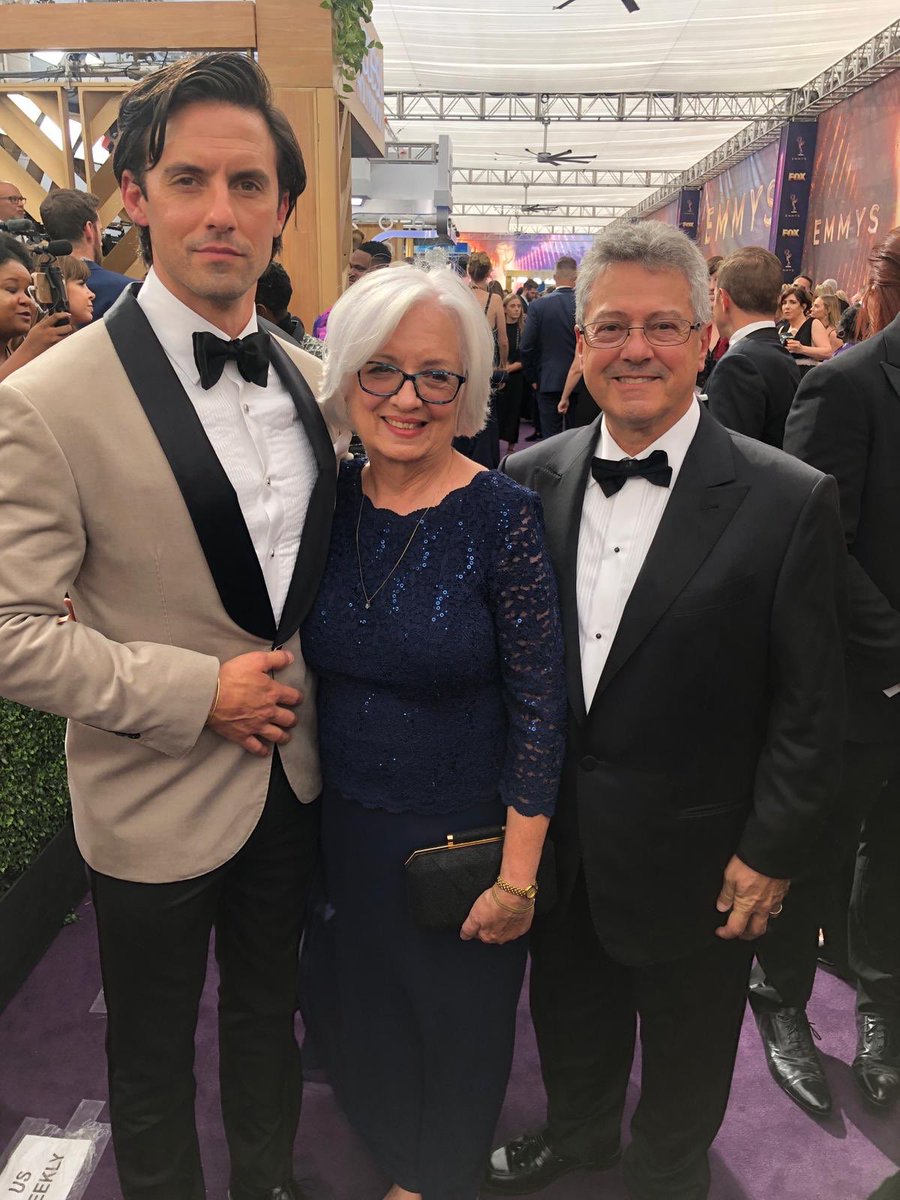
752, 386
528, 293
701, 576
846, 421
548, 345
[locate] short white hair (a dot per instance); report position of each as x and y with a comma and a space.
367, 314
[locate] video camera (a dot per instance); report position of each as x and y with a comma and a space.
49, 286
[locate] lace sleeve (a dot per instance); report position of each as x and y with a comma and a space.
522, 591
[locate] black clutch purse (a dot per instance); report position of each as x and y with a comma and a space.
443, 882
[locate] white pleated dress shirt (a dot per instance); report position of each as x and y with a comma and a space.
256, 435
616, 533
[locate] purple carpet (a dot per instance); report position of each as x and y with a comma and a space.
51, 1057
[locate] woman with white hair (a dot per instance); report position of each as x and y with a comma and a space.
436, 641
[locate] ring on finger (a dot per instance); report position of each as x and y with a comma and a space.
776, 912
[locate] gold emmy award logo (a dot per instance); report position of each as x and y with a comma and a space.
801, 144
793, 212
788, 261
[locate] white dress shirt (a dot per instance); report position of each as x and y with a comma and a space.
255, 433
616, 533
750, 327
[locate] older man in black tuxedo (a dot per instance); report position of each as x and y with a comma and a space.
701, 578
752, 386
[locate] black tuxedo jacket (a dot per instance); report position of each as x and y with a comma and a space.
846, 421
548, 343
752, 387
716, 725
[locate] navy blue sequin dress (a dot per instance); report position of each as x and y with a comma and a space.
439, 705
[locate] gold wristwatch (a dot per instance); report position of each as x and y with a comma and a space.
527, 893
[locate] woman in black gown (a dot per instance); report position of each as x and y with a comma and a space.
801, 334
509, 398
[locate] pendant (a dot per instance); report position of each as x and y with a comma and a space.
368, 606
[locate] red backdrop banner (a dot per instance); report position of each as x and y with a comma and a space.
855, 192
737, 205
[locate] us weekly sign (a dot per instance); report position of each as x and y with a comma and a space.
44, 1168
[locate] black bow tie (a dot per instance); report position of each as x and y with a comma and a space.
611, 475
250, 353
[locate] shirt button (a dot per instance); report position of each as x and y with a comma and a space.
245, 407
268, 481
272, 555
615, 549
598, 636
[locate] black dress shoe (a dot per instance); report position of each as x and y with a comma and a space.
876, 1067
529, 1163
793, 1060
533, 437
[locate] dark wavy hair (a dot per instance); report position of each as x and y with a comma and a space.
882, 300
226, 78
11, 249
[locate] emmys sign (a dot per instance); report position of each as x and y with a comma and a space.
793, 181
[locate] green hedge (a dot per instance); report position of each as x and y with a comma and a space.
34, 798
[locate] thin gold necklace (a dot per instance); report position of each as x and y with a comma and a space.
362, 584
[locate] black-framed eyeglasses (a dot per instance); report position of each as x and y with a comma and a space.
432, 387
667, 331
15, 199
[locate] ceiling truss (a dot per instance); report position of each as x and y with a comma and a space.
538, 176
562, 177
868, 63
601, 212
583, 106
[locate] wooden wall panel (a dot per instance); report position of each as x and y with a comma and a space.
206, 24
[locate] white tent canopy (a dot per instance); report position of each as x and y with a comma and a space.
597, 46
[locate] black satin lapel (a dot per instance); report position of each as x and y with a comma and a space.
316, 535
561, 487
893, 375
211, 501
703, 502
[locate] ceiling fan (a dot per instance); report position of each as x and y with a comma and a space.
556, 158
631, 5
525, 208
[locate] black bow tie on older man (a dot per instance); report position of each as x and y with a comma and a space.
251, 354
612, 474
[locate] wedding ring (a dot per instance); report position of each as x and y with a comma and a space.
775, 912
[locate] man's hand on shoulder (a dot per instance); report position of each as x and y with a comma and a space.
252, 708
751, 898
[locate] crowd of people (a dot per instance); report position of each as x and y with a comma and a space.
630, 699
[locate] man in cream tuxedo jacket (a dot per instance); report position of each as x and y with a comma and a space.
170, 470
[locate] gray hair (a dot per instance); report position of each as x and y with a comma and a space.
654, 246
367, 314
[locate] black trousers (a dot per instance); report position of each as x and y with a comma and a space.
867, 822
154, 944
585, 1007
552, 420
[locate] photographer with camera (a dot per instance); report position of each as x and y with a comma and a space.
73, 216
21, 337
